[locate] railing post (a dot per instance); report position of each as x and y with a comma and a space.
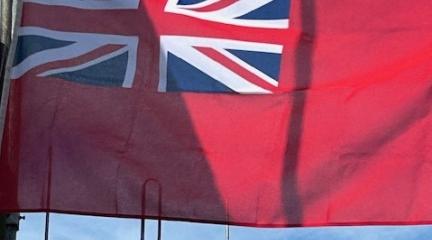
227, 229
47, 224
144, 207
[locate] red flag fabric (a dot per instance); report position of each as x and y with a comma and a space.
107, 114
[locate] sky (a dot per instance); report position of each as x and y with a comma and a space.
72, 227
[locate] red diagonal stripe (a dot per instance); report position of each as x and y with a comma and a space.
216, 6
99, 52
239, 70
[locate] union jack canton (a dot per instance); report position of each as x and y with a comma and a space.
205, 46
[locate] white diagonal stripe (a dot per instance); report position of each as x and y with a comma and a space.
91, 4
184, 47
84, 43
228, 14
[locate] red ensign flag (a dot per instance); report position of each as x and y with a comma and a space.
259, 113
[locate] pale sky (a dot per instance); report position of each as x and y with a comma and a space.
68, 227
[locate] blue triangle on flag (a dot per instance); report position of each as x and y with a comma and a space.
182, 76
268, 63
189, 2
277, 9
110, 72
31, 44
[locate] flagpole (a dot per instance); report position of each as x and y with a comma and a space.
2, 226
5, 40
6, 34
9, 226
